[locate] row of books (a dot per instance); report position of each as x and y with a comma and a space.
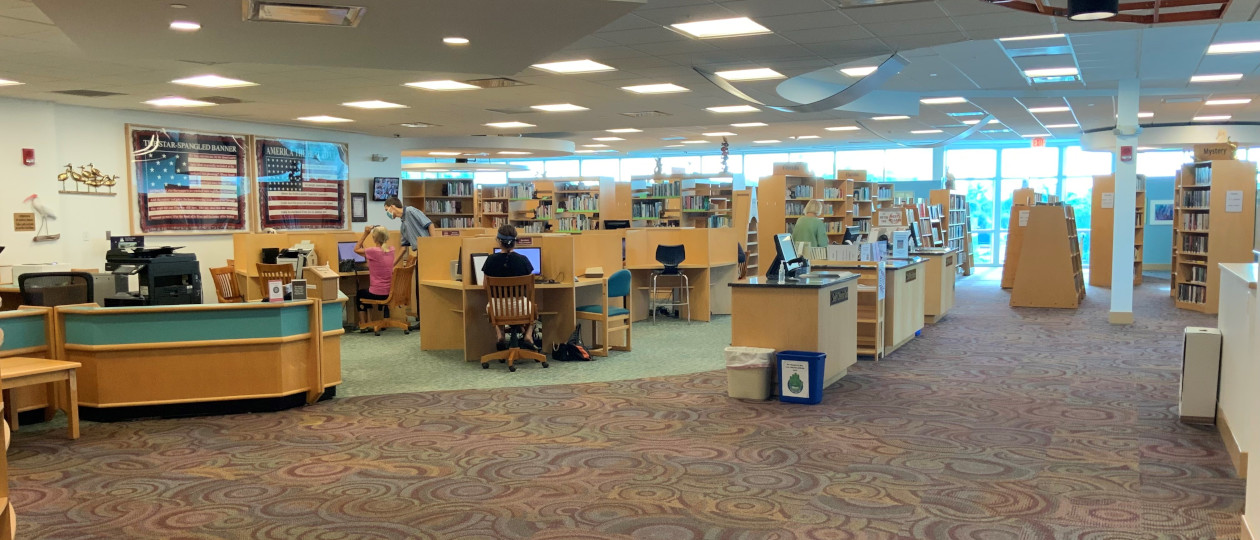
832, 193
665, 189
861, 193
1195, 199
544, 211
718, 222
582, 203
458, 189
454, 223
531, 227
579, 222
494, 207
1194, 243
835, 226
647, 209
1194, 222
1203, 174
794, 208
497, 222
1196, 294
570, 186
695, 202
522, 191
800, 192
443, 207
496, 192
1194, 273
885, 193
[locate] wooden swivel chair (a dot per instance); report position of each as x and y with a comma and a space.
283, 273
616, 286
399, 298
512, 304
225, 286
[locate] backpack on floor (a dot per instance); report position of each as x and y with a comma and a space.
573, 350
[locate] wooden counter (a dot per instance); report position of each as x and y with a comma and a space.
1238, 405
810, 315
942, 270
903, 299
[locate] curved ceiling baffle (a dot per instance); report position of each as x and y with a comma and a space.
960, 136
1145, 12
846, 95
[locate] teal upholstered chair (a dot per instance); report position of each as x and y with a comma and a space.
607, 318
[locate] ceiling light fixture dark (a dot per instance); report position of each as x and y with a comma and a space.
1092, 10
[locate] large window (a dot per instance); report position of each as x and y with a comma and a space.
1078, 193
971, 162
907, 164
821, 164
871, 161
981, 202
601, 167
757, 166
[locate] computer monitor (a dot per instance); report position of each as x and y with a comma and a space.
786, 254
345, 252
534, 255
851, 234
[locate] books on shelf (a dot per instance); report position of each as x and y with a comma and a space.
1196, 243
496, 192
571, 186
544, 212
522, 191
832, 193
862, 193
1203, 174
581, 203
581, 222
1194, 222
665, 189
647, 209
443, 206
531, 227
885, 193
1196, 199
1191, 294
460, 188
716, 222
794, 208
800, 192
454, 223
696, 202
493, 207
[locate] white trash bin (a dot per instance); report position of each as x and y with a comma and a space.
749, 372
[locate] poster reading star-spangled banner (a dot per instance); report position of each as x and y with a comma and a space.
301, 184
188, 182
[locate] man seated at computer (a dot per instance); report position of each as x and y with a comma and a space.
414, 224
505, 262
380, 263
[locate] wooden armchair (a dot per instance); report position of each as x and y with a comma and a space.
606, 317
283, 273
399, 297
225, 285
512, 304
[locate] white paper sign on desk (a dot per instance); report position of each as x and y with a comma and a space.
1233, 201
1023, 218
901, 244
275, 291
1108, 200
837, 252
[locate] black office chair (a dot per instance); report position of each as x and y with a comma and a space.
670, 258
55, 288
741, 259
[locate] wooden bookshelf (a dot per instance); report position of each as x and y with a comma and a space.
656, 201
742, 204
1049, 276
781, 198
531, 205
953, 222
706, 203
1213, 223
492, 206
1022, 201
870, 311
449, 202
576, 202
1102, 230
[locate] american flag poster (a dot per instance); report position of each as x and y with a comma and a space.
301, 184
188, 182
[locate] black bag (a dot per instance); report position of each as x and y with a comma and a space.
572, 350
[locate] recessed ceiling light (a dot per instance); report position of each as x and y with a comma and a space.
1146, 115
1051, 72
1144, 148
749, 124
176, 101
738, 26
925, 131
942, 100
445, 153
624, 130
1060, 126
455, 40
732, 109
843, 128
719, 134
1239, 101
860, 71
767, 141
1234, 47
673, 146
374, 104
1039, 110
662, 88
755, 74
695, 141
213, 81
890, 117
514, 153
574, 66
185, 26
441, 85
559, 107
594, 146
324, 119
977, 121
609, 139
1030, 38
508, 125
1035, 135
416, 125
1216, 118
7, 82
178, 6
1218, 77
803, 137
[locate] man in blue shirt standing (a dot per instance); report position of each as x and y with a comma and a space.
414, 224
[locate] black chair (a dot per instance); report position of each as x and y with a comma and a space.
670, 258
741, 259
55, 288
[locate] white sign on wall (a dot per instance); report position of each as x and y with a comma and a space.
1108, 200
1233, 201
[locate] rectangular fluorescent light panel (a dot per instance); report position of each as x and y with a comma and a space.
1035, 135
7, 82
925, 131
732, 109
441, 85
574, 66
1051, 72
755, 74
624, 130
662, 88
176, 101
559, 107
695, 142
749, 124
1218, 77
1039, 110
514, 153
213, 81
803, 137
594, 146
1146, 115
1239, 101
843, 128
890, 118
719, 134
1234, 47
444, 153
942, 100
1030, 38
1060, 126
860, 71
374, 104
1216, 118
767, 141
977, 121
608, 139
294, 13
508, 125
324, 119
738, 26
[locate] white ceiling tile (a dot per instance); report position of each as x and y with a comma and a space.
895, 12
654, 34
765, 8
804, 21
912, 27
828, 35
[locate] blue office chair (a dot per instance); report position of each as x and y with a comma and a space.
671, 257
616, 286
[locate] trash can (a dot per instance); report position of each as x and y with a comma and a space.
801, 376
749, 372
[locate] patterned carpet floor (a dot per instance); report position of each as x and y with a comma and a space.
996, 424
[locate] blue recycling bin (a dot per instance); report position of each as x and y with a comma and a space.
801, 376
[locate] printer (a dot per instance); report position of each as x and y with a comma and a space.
163, 277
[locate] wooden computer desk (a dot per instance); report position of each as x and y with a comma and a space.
711, 265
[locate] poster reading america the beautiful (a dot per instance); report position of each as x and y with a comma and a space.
301, 184
188, 182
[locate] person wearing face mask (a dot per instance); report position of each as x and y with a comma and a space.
414, 224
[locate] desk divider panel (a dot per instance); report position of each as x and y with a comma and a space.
722, 245
599, 248
434, 255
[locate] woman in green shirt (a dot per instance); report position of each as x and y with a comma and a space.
810, 228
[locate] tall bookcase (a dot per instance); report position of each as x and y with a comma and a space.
1212, 223
1049, 276
492, 206
576, 205
449, 202
954, 224
1102, 230
1022, 201
531, 205
562, 205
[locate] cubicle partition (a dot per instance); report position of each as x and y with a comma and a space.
710, 266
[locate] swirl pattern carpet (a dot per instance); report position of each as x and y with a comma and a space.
997, 424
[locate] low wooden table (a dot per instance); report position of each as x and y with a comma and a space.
19, 371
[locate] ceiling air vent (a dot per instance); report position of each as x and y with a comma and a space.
221, 100
496, 82
418, 125
88, 93
292, 13
644, 114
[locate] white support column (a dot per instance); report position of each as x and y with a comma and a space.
1125, 200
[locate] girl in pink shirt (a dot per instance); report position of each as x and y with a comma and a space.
380, 262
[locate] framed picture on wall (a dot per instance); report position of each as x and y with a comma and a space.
358, 207
1161, 213
301, 184
187, 182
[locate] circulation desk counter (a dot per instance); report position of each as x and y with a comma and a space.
1238, 406
942, 271
711, 265
200, 359
904, 289
814, 315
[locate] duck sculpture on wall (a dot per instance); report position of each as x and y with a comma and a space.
89, 176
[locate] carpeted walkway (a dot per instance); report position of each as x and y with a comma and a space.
998, 423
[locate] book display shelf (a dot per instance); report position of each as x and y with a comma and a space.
531, 205
1049, 276
1022, 201
1213, 223
706, 203
954, 224
449, 202
1102, 230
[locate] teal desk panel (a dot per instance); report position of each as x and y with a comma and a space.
125, 326
23, 332
332, 315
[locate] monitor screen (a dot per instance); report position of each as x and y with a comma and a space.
533, 254
345, 252
783, 244
478, 262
